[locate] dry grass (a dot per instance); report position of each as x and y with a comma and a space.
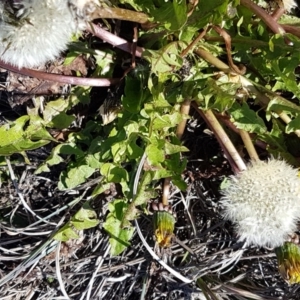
205, 250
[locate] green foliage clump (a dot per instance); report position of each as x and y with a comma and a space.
184, 59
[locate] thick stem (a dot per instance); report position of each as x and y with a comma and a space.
166, 191
249, 145
184, 110
261, 13
120, 14
212, 60
114, 40
292, 29
235, 160
276, 15
225, 120
60, 78
246, 83
266, 18
225, 140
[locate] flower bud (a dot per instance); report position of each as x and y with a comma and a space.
288, 256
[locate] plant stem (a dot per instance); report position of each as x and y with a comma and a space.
266, 18
261, 13
166, 191
225, 141
225, 120
235, 160
292, 29
60, 78
285, 118
276, 15
113, 39
246, 83
249, 145
213, 60
120, 14
184, 110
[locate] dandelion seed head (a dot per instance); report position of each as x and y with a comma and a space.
264, 202
289, 4
40, 31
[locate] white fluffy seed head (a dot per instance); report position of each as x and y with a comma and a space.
289, 4
38, 30
264, 203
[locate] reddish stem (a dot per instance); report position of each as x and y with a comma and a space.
60, 78
267, 19
114, 40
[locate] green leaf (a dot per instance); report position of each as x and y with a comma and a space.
133, 151
279, 104
293, 125
166, 121
81, 94
172, 14
114, 173
61, 121
85, 218
66, 233
155, 153
167, 58
120, 237
135, 92
220, 94
55, 157
246, 119
74, 176
54, 108
101, 188
26, 133
171, 148
276, 143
